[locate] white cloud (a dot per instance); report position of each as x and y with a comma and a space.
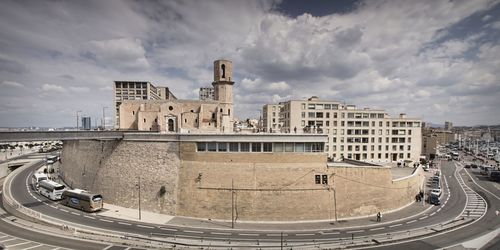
126, 53
52, 88
11, 84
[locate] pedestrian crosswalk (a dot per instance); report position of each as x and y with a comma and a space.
476, 205
14, 243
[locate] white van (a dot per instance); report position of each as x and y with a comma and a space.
36, 178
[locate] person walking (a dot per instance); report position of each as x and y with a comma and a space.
379, 217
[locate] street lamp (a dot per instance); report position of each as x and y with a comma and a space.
139, 188
77, 120
104, 118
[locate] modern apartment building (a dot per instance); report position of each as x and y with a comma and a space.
133, 90
207, 93
86, 123
448, 126
271, 121
360, 134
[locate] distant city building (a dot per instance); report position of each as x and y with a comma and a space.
181, 116
133, 90
271, 121
448, 126
359, 134
86, 123
207, 93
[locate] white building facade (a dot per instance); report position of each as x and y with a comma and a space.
360, 134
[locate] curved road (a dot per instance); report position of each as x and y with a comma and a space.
453, 204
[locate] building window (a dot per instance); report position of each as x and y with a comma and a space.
256, 147
133, 112
233, 147
267, 147
201, 146
278, 147
170, 108
303, 105
212, 146
144, 120
289, 147
317, 179
244, 147
324, 179
335, 115
303, 115
222, 146
299, 147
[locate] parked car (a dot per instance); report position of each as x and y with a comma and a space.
437, 192
467, 166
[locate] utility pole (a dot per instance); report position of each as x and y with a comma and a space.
77, 120
104, 118
139, 187
232, 203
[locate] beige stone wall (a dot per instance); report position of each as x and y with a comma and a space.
112, 168
267, 186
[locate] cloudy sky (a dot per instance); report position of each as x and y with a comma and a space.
437, 60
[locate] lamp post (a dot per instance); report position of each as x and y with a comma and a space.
139, 188
104, 117
334, 196
77, 120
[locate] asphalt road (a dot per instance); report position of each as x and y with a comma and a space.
449, 209
486, 224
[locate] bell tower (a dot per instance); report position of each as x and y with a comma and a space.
223, 93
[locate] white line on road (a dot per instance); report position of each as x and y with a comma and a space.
378, 228
423, 217
34, 247
144, 226
194, 232
108, 247
304, 234
124, 223
242, 234
75, 213
432, 214
397, 225
168, 229
90, 217
357, 231
220, 233
330, 233
64, 210
106, 220
18, 244
8, 240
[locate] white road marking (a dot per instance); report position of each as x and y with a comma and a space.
90, 217
18, 244
144, 226
397, 225
432, 214
357, 231
168, 229
8, 240
106, 220
1, 237
64, 210
242, 234
220, 233
423, 217
330, 233
194, 232
305, 234
124, 223
75, 213
110, 246
378, 228
32, 247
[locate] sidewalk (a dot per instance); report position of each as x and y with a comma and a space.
409, 211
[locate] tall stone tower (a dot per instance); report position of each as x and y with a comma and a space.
223, 93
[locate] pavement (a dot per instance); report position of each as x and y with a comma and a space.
412, 210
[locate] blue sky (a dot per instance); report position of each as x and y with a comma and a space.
437, 60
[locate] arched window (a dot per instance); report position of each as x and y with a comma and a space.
221, 110
171, 125
228, 111
223, 67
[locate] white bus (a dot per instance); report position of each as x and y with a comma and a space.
36, 178
51, 189
82, 199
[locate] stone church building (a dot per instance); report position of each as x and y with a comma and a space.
185, 116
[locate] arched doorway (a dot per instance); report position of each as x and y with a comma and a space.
171, 125
171, 122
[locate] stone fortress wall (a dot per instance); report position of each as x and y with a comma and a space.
177, 180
